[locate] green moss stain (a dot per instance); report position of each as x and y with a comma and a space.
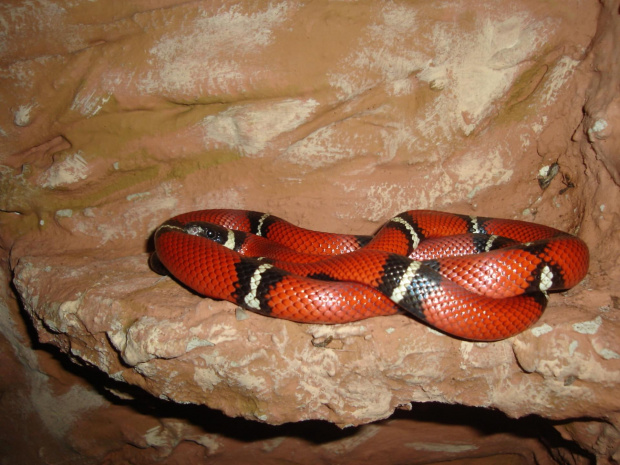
518, 103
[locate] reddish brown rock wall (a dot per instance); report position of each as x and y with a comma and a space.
335, 116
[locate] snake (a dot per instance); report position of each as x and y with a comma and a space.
473, 278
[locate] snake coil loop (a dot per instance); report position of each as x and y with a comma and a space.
471, 277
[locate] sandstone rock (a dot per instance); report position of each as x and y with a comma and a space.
335, 116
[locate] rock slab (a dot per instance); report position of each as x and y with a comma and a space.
336, 117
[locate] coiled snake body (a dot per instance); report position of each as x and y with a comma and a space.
471, 277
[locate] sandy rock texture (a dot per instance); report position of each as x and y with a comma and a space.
335, 116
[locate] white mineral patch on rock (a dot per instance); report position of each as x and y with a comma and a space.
249, 128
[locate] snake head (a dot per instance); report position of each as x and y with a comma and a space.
213, 232
229, 238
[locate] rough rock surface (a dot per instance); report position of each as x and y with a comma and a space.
335, 116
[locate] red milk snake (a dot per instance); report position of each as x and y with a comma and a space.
475, 278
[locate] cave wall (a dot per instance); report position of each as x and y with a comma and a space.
335, 116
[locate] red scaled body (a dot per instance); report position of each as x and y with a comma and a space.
450, 271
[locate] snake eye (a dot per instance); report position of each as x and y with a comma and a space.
213, 232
